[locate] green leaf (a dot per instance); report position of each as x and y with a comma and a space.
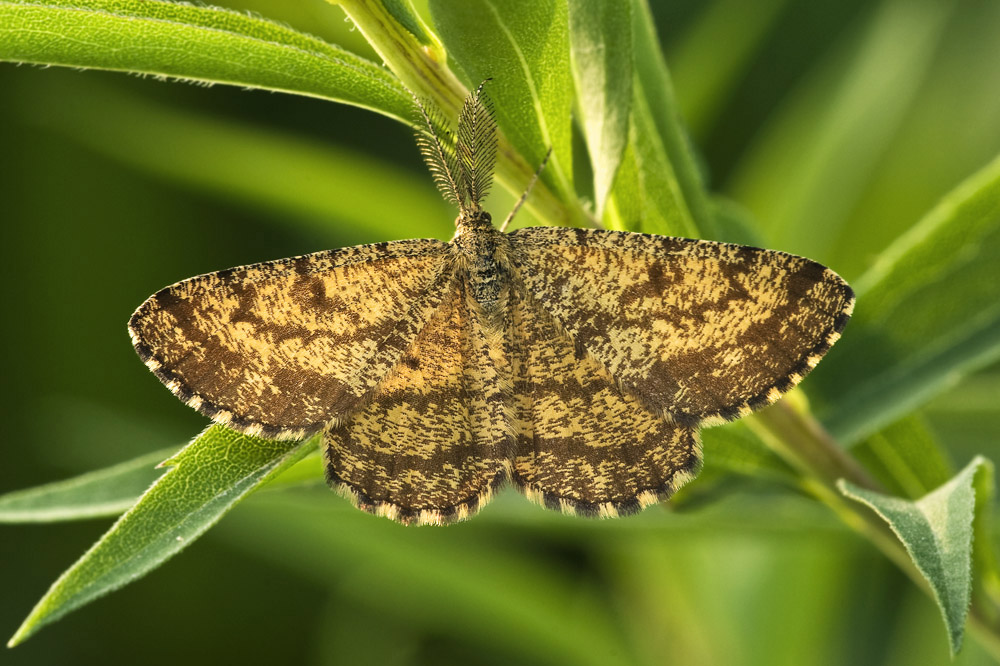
927, 314
107, 492
204, 44
113, 490
937, 533
524, 47
425, 71
408, 47
208, 477
658, 188
310, 185
600, 33
401, 11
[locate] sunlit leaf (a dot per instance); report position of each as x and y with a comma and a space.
658, 188
400, 11
524, 47
197, 43
207, 478
927, 314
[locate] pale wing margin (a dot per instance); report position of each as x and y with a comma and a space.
703, 332
280, 348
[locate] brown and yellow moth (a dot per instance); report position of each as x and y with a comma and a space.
575, 364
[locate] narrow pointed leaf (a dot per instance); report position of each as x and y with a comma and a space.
657, 105
937, 533
204, 44
658, 188
208, 477
600, 34
927, 314
106, 492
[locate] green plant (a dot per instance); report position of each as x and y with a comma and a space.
927, 311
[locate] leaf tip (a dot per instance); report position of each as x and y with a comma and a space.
25, 630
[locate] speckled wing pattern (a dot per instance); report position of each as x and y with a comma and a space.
282, 348
431, 446
583, 381
700, 332
584, 445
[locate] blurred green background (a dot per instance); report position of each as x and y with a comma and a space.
111, 186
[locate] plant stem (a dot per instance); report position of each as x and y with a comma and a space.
800, 439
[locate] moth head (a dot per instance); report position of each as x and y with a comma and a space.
469, 219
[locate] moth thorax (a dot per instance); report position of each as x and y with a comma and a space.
483, 250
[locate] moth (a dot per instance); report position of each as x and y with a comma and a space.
575, 364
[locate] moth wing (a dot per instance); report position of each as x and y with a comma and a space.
701, 331
431, 446
282, 347
585, 446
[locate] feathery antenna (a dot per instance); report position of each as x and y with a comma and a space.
477, 145
437, 144
462, 164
